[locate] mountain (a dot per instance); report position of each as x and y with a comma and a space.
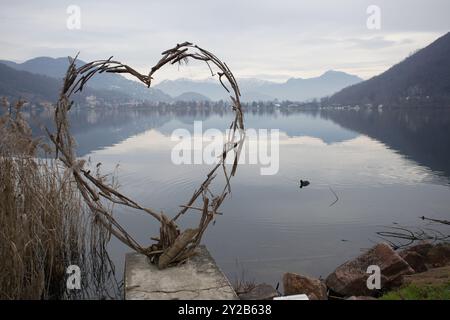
37, 88
191, 96
52, 67
423, 75
296, 89
57, 67
16, 84
208, 88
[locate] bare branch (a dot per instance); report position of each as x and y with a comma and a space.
172, 244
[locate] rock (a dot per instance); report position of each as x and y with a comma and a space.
315, 289
415, 260
438, 256
361, 298
416, 256
421, 248
262, 291
350, 278
425, 255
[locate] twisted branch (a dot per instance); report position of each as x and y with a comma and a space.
172, 246
402, 237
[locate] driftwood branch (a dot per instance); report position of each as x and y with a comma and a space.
172, 246
401, 237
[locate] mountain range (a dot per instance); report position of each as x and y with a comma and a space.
295, 89
424, 75
31, 72
39, 88
56, 68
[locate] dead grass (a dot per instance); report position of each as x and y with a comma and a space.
241, 284
44, 227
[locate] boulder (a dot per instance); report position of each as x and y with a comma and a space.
350, 279
415, 260
294, 283
262, 291
438, 256
421, 248
424, 256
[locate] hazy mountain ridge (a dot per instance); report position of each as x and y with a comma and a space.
296, 89
191, 96
37, 88
57, 67
423, 75
16, 84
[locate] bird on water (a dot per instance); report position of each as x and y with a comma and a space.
304, 183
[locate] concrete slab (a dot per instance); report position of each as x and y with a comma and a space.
198, 279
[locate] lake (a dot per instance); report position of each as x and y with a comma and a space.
386, 166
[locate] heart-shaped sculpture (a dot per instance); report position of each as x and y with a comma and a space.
172, 245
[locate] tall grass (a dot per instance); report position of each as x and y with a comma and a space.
44, 225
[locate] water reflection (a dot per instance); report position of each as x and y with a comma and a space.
389, 166
420, 134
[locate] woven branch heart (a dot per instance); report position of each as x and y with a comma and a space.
172, 246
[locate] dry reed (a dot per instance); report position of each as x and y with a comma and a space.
44, 227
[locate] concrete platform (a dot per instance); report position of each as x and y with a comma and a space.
198, 279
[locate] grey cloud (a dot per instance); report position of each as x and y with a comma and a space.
372, 43
274, 38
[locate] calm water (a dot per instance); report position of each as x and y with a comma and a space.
385, 166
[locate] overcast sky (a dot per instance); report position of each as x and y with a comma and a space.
272, 40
